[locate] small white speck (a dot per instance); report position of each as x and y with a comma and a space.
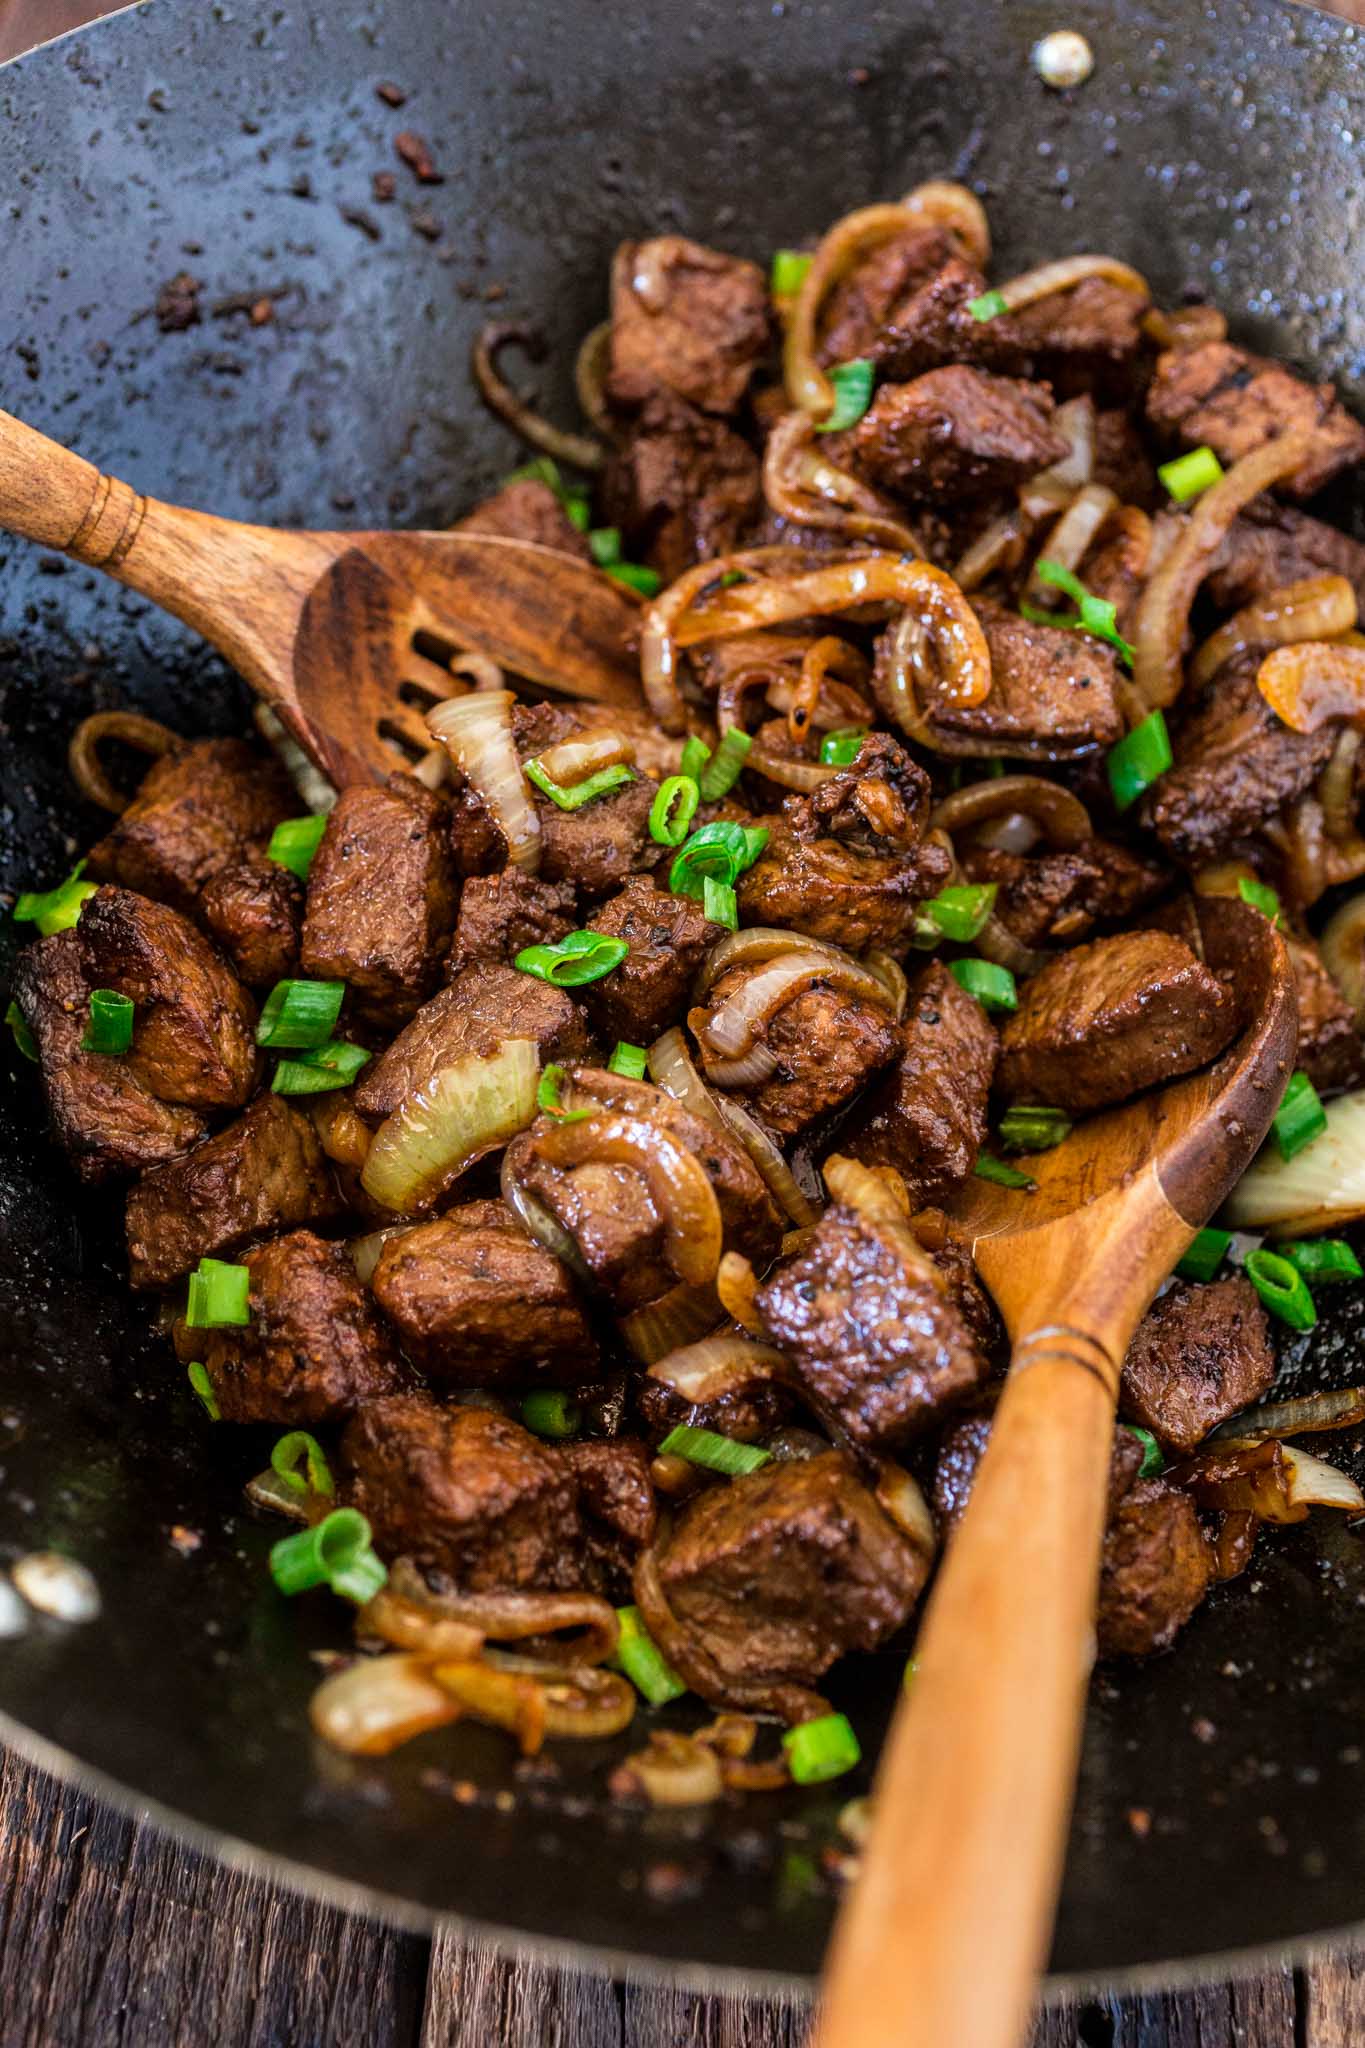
1063, 59
57, 1586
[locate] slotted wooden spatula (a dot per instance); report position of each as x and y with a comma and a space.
344, 635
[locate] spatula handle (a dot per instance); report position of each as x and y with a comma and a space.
51, 496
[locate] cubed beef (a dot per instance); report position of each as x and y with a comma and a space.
502, 914
1235, 401
253, 909
775, 1575
199, 807
478, 1303
956, 432
1200, 1355
381, 897
527, 509
964, 1445
266, 1172
1236, 766
1083, 340
194, 1028
1116, 568
1058, 898
747, 1413
826, 1042
1270, 545
1108, 1019
684, 487
880, 802
617, 1506
928, 1118
101, 1112
669, 937
1157, 1566
930, 323
1122, 462
314, 1350
1053, 695
860, 305
806, 883
1331, 1051
686, 321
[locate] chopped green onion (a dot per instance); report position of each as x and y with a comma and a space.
962, 910
547, 1096
578, 958
647, 581
722, 850
673, 810
197, 1375
1096, 614
989, 306
55, 910
1033, 1128
1321, 1260
1190, 474
604, 545
333, 1065
218, 1296
1281, 1287
577, 509
579, 793
755, 839
718, 902
841, 749
1205, 1255
1137, 761
643, 1662
717, 1453
335, 1552
551, 1414
1260, 896
988, 1167
695, 755
541, 469
994, 987
1300, 1117
299, 1015
23, 1037
300, 1449
110, 1029
822, 1749
294, 843
630, 1060
852, 394
721, 772
1153, 1462
788, 273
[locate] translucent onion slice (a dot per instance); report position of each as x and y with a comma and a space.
1067, 272
365, 1250
578, 451
1344, 1409
1064, 819
1342, 945
801, 484
1318, 1189
767, 1157
902, 1502
758, 1065
944, 203
1266, 1478
466, 1110
678, 1184
573, 760
1072, 537
731, 1029
802, 776
476, 731
533, 1699
1337, 788
377, 1703
751, 947
990, 550
1313, 681
719, 1366
677, 1318
317, 792
855, 235
1185, 327
590, 378
672, 1770
736, 1283
1314, 608
1075, 421
671, 1068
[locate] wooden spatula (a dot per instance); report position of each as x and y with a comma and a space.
343, 634
942, 1938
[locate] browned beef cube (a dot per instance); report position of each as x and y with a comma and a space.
806, 882
1111, 1018
482, 1007
827, 1045
617, 1506
964, 1445
685, 320
1057, 898
1331, 1052
780, 1572
502, 914
253, 908
870, 1327
861, 305
263, 1173
669, 937
527, 510
1270, 545
199, 807
1235, 401
478, 1303
381, 897
956, 432
930, 323
314, 1350
194, 1032
1053, 696
1082, 340
1123, 464
928, 1118
1157, 1567
880, 802
748, 1414
1200, 1354
101, 1111
683, 488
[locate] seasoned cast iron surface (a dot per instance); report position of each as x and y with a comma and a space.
237, 142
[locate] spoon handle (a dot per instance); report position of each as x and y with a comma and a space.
59, 500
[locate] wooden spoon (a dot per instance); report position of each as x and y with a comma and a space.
946, 1929
345, 635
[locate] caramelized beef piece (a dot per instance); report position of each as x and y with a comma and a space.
102, 1114
1058, 898
669, 937
1200, 1355
1083, 340
527, 509
928, 1118
1103, 1022
1235, 401
478, 1303
483, 1006
1270, 545
964, 1446
683, 488
1156, 1568
686, 321
263, 1173
502, 914
930, 323
1331, 1051
253, 909
314, 1350
879, 802
862, 304
194, 1029
879, 1346
1053, 694
199, 807
617, 1506
381, 897
827, 1045
805, 883
956, 432
748, 1415
1122, 463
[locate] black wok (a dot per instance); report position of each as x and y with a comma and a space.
1216, 145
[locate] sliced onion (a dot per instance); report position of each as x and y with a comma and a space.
903, 1503
1266, 1478
476, 732
536, 1220
1337, 787
758, 1065
1063, 817
752, 946
802, 776
801, 484
579, 451
672, 1770
1185, 327
990, 550
736, 1283
377, 1703
590, 379
532, 1699
720, 1366
1343, 1409
365, 1250
130, 729
1075, 422
343, 1135
945, 204
841, 246
1313, 681
678, 1185
997, 943
838, 703
573, 760
1314, 608
878, 1194
1067, 272
273, 1493
671, 1068
733, 1026
1072, 537
317, 793
1342, 946
891, 972
677, 1318
412, 1615
767, 1157
1320, 1188
466, 1110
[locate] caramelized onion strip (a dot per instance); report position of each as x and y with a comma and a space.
942, 203
1313, 681
579, 451
1067, 272
1063, 818
677, 1182
802, 484
1315, 608
843, 245
130, 729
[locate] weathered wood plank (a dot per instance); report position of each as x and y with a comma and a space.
1332, 2000
1256, 2013
477, 1996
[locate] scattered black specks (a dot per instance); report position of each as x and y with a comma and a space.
177, 303
356, 217
425, 224
391, 94
384, 186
